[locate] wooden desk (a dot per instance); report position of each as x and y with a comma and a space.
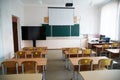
74, 62
113, 51
91, 44
79, 54
101, 75
44, 53
99, 48
41, 62
65, 52
21, 77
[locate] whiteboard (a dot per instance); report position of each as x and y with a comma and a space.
61, 16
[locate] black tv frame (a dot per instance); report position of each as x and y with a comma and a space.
33, 33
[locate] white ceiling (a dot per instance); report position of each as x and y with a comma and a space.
62, 2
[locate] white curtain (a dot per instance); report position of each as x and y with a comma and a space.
118, 21
109, 20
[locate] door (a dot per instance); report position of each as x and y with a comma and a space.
15, 32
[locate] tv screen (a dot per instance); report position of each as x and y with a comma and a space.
33, 33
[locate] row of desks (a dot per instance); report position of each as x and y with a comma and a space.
111, 51
37, 76
79, 54
40, 61
74, 62
41, 64
29, 53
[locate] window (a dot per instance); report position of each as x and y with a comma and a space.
109, 20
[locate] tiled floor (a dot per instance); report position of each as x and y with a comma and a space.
56, 67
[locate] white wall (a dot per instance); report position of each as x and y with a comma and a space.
9, 8
1, 48
88, 18
34, 14
58, 43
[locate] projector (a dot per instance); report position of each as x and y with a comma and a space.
69, 4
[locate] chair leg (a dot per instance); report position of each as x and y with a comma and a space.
17, 68
44, 75
3, 70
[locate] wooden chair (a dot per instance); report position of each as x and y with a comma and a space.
86, 52
20, 54
29, 67
114, 45
105, 64
42, 50
103, 51
73, 52
85, 64
36, 54
9, 67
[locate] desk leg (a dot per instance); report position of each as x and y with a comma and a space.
66, 63
109, 55
44, 72
73, 73
96, 51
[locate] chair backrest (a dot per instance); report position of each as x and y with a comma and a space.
41, 48
73, 52
28, 48
20, 54
64, 49
9, 67
114, 45
36, 54
85, 63
105, 46
29, 67
86, 52
105, 63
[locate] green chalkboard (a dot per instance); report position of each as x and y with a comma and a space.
75, 30
59, 31
62, 31
48, 29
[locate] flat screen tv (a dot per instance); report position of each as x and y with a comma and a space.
33, 33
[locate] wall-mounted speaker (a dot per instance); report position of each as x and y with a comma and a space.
69, 4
